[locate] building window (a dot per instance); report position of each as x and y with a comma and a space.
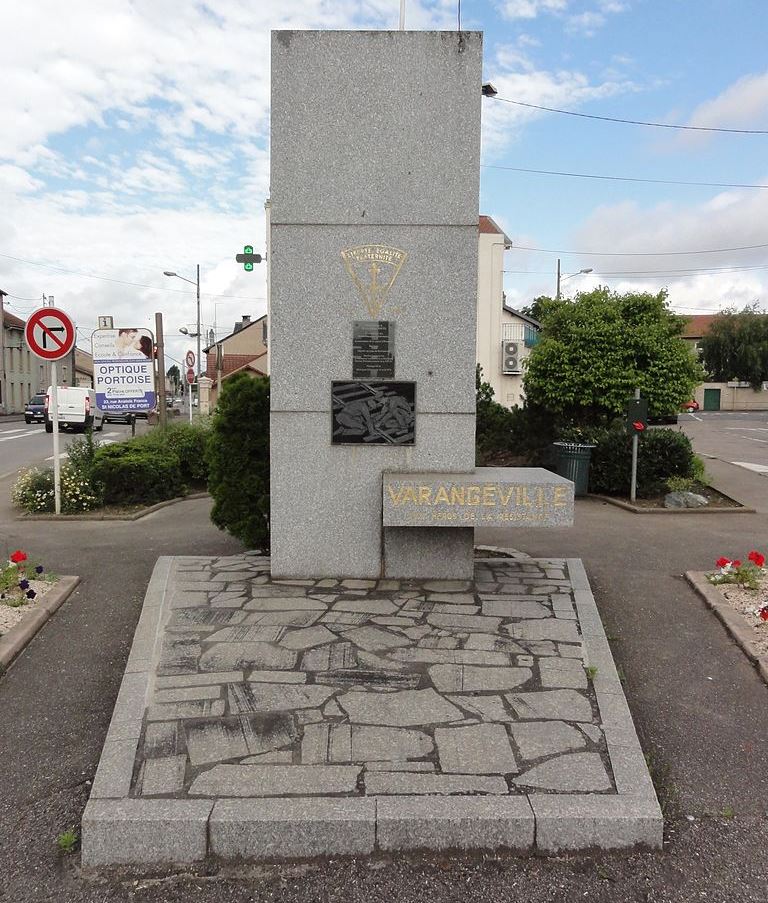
531, 337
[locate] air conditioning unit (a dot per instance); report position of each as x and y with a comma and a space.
510, 357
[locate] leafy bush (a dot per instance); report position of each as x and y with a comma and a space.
700, 474
188, 442
661, 454
680, 484
137, 473
238, 460
82, 454
34, 491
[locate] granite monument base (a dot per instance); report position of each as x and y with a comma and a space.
428, 553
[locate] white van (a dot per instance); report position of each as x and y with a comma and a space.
77, 409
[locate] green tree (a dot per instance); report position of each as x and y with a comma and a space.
736, 347
238, 460
538, 308
595, 350
174, 374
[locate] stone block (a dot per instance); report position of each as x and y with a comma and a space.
144, 832
478, 749
508, 608
265, 698
545, 738
469, 678
562, 672
425, 552
483, 497
276, 677
288, 603
585, 822
308, 637
292, 828
382, 783
115, 771
451, 656
275, 780
259, 656
458, 823
551, 705
198, 680
549, 629
489, 708
184, 694
399, 709
162, 776
204, 708
581, 772
375, 639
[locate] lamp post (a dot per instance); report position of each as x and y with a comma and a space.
196, 283
570, 276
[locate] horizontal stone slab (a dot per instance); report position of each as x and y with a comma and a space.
488, 496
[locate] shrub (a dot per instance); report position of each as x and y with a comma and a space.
662, 454
680, 484
238, 460
137, 473
34, 491
82, 454
189, 443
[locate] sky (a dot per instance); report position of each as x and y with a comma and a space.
135, 139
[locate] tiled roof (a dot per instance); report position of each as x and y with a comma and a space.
10, 320
698, 325
486, 226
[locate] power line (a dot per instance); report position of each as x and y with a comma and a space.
689, 270
656, 125
586, 175
516, 247
176, 291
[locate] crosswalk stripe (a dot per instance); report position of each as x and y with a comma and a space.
758, 468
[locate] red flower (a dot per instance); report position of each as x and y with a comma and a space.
18, 556
736, 563
756, 558
763, 613
721, 562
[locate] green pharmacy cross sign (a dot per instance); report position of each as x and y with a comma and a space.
248, 258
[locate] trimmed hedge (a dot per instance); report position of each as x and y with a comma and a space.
137, 473
661, 454
189, 443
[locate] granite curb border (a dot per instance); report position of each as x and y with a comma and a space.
736, 625
118, 830
123, 517
635, 509
17, 638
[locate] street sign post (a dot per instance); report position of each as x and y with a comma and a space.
636, 423
190, 380
124, 369
51, 335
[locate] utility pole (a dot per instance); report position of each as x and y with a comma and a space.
199, 371
557, 294
161, 407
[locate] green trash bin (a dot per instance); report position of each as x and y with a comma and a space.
572, 462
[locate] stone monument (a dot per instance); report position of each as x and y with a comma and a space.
374, 216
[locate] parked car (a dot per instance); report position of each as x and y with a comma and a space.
118, 416
77, 409
690, 407
34, 409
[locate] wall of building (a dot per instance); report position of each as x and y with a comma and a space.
25, 374
239, 349
490, 300
735, 398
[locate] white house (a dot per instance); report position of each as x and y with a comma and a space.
504, 336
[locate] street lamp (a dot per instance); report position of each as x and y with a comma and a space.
570, 276
196, 334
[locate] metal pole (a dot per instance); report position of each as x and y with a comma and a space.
557, 295
198, 339
162, 412
54, 412
402, 15
190, 401
3, 381
635, 443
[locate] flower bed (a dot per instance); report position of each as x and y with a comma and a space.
22, 584
744, 586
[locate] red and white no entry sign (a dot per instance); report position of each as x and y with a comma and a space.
190, 376
50, 333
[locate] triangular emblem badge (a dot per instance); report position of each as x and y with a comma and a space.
373, 269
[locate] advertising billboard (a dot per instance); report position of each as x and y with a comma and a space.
123, 369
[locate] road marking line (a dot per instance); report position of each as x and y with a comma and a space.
758, 468
10, 473
22, 435
753, 439
695, 417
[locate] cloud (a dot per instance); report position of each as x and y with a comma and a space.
744, 104
516, 77
530, 9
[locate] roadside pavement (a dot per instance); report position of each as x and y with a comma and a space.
700, 709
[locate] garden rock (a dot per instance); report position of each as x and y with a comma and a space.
685, 500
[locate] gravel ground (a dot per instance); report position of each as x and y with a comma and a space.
746, 602
10, 615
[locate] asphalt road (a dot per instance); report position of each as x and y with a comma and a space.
22, 444
701, 711
739, 437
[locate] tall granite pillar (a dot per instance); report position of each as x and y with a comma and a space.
374, 211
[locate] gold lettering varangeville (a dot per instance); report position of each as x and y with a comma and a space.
488, 495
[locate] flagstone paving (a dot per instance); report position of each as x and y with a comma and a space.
323, 686
346, 698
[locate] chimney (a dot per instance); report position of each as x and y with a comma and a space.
243, 323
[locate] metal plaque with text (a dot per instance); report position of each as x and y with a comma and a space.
373, 349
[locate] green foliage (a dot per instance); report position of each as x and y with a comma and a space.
595, 350
661, 454
700, 474
137, 473
537, 310
174, 374
186, 441
67, 841
34, 491
736, 347
82, 454
238, 460
680, 484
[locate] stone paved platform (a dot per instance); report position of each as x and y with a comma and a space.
272, 719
